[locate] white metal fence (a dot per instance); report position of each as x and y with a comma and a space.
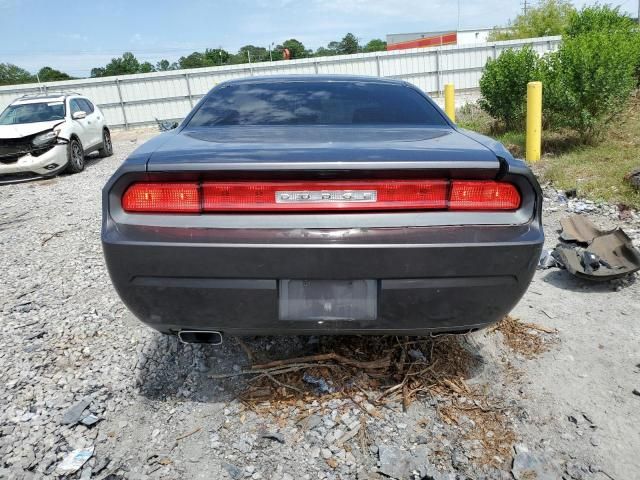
132, 100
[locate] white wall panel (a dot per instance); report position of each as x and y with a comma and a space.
140, 99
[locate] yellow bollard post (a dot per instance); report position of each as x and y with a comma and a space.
450, 101
534, 121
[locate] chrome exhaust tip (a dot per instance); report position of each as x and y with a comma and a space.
200, 336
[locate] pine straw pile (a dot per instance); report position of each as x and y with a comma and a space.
528, 339
385, 369
377, 372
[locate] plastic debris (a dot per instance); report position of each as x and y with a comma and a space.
278, 437
319, 382
417, 355
74, 461
90, 420
548, 260
594, 254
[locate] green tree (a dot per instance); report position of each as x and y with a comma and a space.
146, 67
164, 65
48, 74
348, 45
125, 65
503, 85
550, 17
194, 60
257, 54
324, 52
296, 48
12, 75
216, 56
375, 45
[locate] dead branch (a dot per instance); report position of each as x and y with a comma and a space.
324, 357
181, 437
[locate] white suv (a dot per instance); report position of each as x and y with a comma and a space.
41, 135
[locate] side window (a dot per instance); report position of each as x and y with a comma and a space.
87, 104
75, 106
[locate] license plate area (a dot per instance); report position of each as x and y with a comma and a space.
321, 300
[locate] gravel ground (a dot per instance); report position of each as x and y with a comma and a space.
71, 351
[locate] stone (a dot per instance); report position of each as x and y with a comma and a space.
233, 471
74, 413
397, 463
527, 466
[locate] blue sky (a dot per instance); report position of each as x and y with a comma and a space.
75, 36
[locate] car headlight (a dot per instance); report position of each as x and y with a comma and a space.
44, 139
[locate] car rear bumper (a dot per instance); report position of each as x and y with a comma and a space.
429, 279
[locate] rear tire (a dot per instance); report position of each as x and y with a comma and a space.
107, 146
75, 156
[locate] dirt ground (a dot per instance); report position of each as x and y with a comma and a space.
546, 394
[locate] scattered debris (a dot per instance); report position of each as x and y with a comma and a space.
417, 355
527, 466
356, 364
321, 383
577, 228
74, 414
528, 339
278, 437
74, 461
90, 420
595, 254
548, 260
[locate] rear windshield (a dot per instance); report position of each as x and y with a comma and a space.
315, 103
32, 113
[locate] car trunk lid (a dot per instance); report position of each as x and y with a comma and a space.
322, 148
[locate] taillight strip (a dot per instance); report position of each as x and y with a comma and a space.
320, 196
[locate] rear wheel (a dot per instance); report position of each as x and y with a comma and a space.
107, 146
76, 156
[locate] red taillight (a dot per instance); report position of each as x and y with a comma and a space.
324, 196
163, 198
483, 195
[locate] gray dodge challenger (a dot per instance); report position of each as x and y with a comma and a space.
320, 205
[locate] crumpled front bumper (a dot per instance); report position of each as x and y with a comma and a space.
44, 164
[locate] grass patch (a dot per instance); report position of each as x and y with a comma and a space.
596, 171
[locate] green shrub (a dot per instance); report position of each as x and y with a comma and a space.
503, 85
602, 18
587, 81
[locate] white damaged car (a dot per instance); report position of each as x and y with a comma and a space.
41, 135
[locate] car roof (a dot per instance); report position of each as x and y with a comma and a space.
44, 97
314, 79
